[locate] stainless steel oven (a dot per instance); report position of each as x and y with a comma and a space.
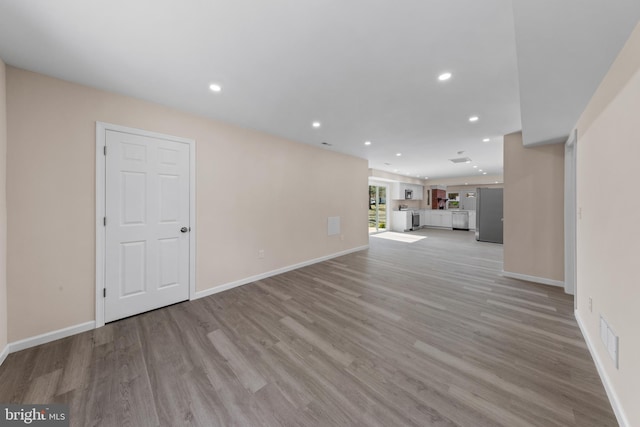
415, 220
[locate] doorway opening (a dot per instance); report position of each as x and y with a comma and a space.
377, 209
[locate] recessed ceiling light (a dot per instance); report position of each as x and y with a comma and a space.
395, 170
214, 87
475, 166
486, 140
484, 173
496, 182
398, 154
426, 177
480, 170
315, 124
474, 118
444, 76
367, 143
466, 183
468, 161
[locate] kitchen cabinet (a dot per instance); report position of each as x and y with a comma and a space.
395, 191
430, 219
418, 191
398, 189
401, 221
424, 217
443, 219
472, 220
439, 218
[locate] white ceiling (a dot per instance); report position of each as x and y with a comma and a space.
366, 69
564, 51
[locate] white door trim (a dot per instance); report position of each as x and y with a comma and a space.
101, 131
570, 214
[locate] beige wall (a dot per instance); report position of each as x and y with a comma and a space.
254, 191
608, 236
533, 209
3, 208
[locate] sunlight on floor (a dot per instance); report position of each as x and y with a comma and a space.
399, 237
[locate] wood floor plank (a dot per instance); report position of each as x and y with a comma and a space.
495, 412
248, 376
42, 389
494, 379
317, 341
420, 333
76, 368
337, 287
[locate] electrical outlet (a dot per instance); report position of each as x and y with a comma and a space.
590, 304
261, 253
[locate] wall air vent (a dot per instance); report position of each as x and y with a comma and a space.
461, 160
327, 144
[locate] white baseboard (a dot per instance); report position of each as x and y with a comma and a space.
50, 336
534, 279
234, 284
4, 354
611, 394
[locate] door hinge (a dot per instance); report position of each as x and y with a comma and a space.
105, 150
104, 292
104, 221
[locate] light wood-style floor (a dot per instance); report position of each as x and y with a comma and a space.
405, 334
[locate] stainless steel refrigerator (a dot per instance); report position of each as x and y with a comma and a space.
489, 216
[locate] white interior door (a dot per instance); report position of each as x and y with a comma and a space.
147, 223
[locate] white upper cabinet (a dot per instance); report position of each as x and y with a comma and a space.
398, 191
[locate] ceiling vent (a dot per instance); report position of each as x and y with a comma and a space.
461, 160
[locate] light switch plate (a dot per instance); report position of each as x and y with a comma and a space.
604, 331
612, 347
610, 340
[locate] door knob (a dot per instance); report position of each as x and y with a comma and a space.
184, 229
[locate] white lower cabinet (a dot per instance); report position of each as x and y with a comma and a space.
424, 215
439, 218
447, 220
443, 219
401, 220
